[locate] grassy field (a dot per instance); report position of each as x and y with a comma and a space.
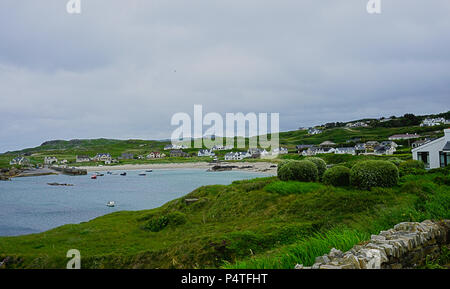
261, 223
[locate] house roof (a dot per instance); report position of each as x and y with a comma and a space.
327, 143
425, 145
447, 147
346, 149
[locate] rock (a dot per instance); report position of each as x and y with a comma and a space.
322, 259
299, 266
334, 253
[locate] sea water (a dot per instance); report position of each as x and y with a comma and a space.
29, 205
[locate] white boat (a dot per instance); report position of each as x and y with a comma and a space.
111, 204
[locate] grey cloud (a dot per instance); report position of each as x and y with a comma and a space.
122, 68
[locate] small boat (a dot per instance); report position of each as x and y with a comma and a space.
100, 175
149, 171
109, 173
123, 174
111, 204
142, 174
94, 177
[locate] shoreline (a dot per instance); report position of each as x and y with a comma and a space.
257, 167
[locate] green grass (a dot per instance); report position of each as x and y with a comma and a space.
259, 223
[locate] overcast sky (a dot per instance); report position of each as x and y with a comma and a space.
121, 69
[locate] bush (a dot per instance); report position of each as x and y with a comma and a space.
156, 224
412, 164
304, 171
337, 176
282, 163
176, 218
320, 164
442, 180
412, 167
396, 161
368, 174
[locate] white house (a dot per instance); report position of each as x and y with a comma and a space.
221, 148
317, 150
233, 156
435, 153
155, 155
357, 124
19, 161
206, 153
50, 160
433, 121
103, 158
345, 150
314, 131
279, 151
83, 159
389, 143
384, 150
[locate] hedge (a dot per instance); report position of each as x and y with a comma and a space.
304, 171
373, 173
337, 176
321, 165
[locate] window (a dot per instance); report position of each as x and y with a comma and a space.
424, 157
444, 158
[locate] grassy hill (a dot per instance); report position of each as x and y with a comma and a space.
261, 223
69, 149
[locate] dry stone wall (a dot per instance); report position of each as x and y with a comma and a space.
407, 245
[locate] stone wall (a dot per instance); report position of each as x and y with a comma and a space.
407, 245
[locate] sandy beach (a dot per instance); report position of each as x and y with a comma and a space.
262, 167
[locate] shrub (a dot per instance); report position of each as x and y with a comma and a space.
176, 218
337, 176
412, 164
156, 224
374, 173
282, 163
396, 161
412, 167
304, 171
320, 164
442, 180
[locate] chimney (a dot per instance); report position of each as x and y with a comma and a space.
447, 134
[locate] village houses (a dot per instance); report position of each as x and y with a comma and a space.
50, 160
156, 155
82, 159
21, 161
206, 153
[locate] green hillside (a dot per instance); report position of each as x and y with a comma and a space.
69, 149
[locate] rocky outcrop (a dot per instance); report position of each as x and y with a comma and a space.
407, 245
70, 171
6, 174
